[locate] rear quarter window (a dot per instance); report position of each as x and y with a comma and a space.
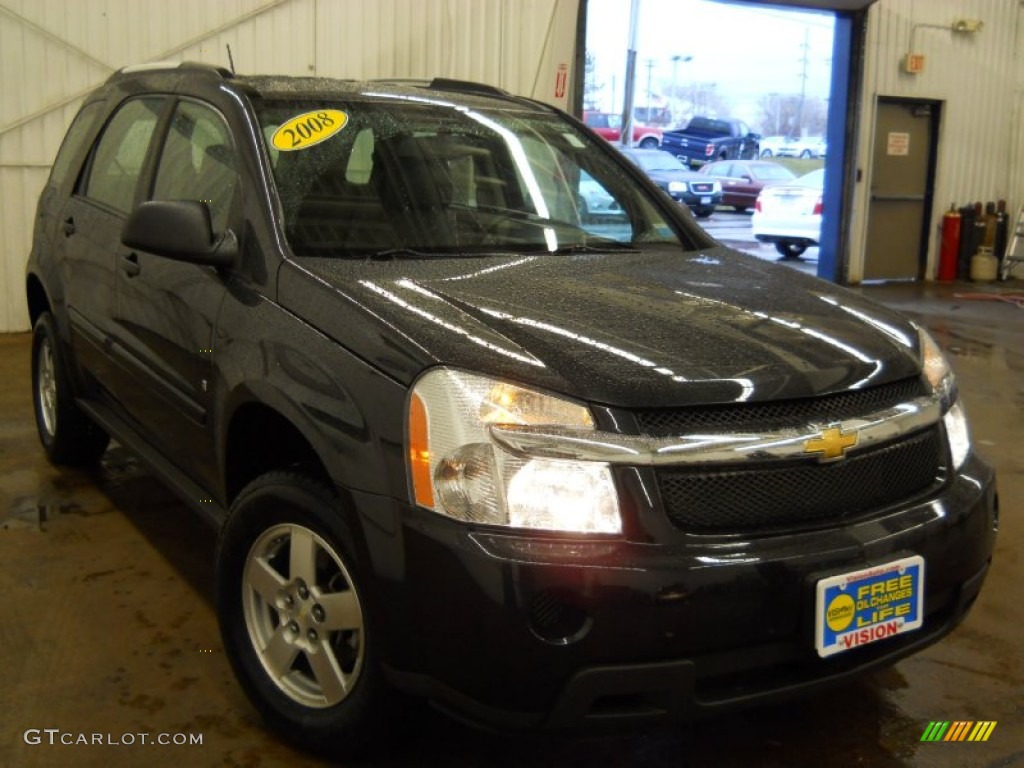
72, 149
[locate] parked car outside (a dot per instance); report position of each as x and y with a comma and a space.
789, 215
706, 139
461, 443
770, 145
743, 180
608, 125
806, 147
595, 200
690, 188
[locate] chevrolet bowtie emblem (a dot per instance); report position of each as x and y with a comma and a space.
831, 444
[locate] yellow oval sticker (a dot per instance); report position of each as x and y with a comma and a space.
308, 129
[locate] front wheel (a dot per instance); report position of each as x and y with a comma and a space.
294, 616
68, 436
766, 153
806, 154
703, 213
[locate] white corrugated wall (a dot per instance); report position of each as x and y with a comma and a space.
978, 78
52, 52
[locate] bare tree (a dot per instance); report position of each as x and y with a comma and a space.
592, 87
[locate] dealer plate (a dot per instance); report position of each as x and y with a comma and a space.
861, 607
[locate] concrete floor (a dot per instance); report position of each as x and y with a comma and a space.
106, 624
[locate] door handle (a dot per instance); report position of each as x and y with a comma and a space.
69, 226
130, 264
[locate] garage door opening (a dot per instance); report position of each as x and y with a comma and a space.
765, 69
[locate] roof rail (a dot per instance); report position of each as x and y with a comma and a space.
467, 86
156, 66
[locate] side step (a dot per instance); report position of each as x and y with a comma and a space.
191, 493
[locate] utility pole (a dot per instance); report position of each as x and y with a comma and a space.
650, 69
628, 96
803, 84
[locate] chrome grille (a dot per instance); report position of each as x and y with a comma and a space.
764, 497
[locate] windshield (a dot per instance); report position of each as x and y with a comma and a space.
769, 172
812, 179
656, 160
407, 176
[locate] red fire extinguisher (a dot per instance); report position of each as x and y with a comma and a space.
950, 244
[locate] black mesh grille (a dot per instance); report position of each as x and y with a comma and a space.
745, 417
796, 495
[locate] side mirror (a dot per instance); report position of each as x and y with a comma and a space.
179, 230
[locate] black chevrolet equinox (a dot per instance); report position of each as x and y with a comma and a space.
464, 436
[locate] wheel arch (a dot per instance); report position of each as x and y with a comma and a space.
37, 298
259, 439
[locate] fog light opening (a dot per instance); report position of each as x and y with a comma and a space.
557, 621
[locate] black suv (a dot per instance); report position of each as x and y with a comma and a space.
461, 440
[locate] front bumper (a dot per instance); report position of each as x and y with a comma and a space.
541, 632
698, 202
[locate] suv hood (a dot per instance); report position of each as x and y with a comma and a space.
653, 328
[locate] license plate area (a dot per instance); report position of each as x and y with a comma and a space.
861, 607
705, 200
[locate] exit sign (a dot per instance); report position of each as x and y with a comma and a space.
914, 63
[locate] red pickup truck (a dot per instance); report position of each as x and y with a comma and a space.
609, 125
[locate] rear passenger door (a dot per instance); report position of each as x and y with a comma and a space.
90, 226
166, 309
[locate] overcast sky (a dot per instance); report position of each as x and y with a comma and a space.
746, 51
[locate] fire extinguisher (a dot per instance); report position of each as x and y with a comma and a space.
950, 244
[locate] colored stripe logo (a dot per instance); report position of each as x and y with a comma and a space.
958, 730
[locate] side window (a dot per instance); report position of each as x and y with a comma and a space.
198, 162
121, 152
72, 144
360, 162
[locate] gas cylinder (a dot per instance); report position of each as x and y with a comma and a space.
1002, 222
989, 241
967, 244
984, 266
950, 244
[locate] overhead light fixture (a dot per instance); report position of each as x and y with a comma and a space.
968, 26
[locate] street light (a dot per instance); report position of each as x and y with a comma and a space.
675, 71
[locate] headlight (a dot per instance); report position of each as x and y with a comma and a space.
677, 186
458, 470
940, 376
936, 369
959, 436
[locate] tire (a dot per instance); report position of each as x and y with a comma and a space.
649, 143
68, 436
790, 249
766, 153
806, 154
703, 213
298, 636
740, 208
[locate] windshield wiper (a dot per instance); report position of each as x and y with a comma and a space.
604, 247
390, 254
